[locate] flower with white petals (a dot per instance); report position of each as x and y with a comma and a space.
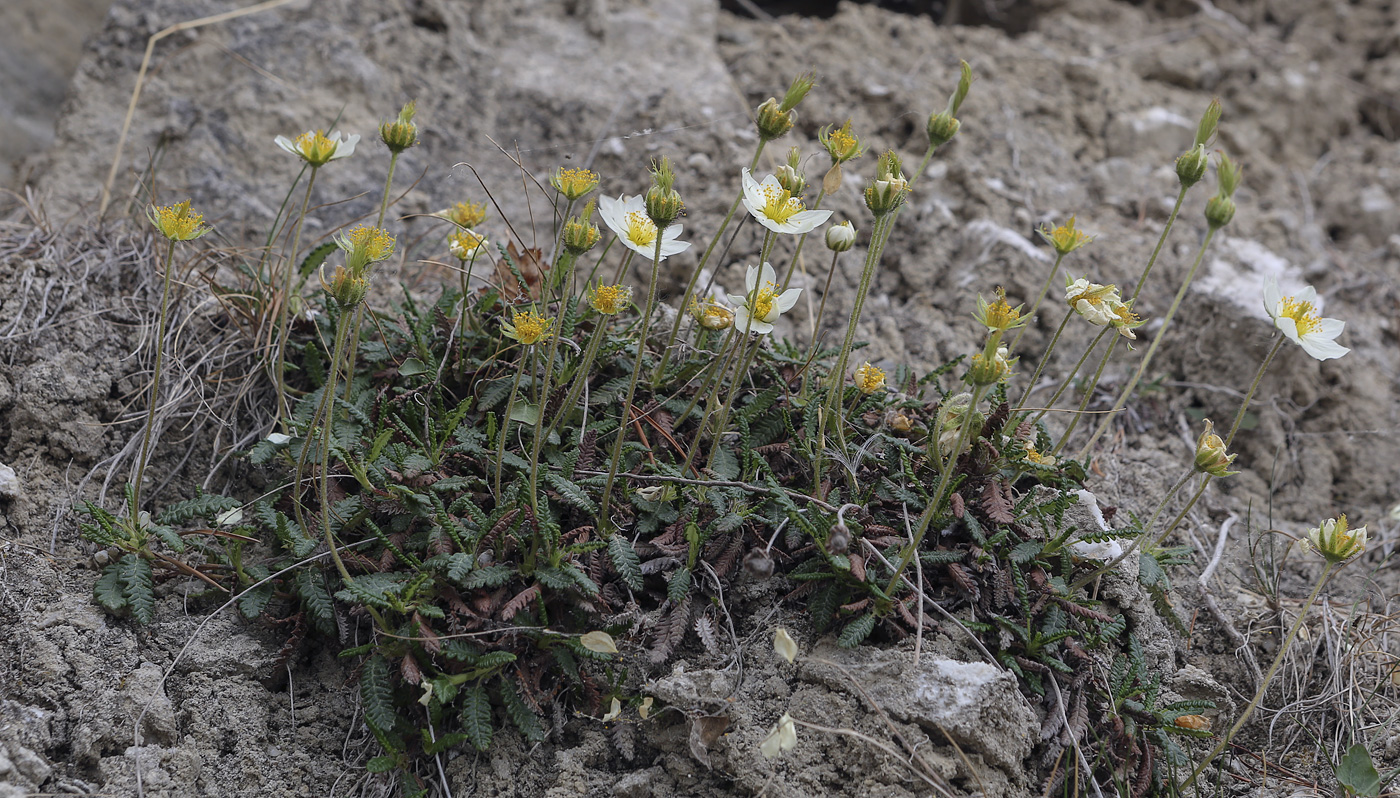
318, 149
761, 304
776, 209
782, 738
627, 217
1335, 540
1298, 317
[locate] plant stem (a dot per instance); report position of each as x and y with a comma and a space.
741, 373
627, 262
1088, 394
826, 291
797, 253
1045, 358
1263, 685
936, 498
604, 524
284, 318
1254, 386
550, 354
505, 424
1151, 350
360, 309
155, 385
581, 374
838, 375
700, 267
1044, 289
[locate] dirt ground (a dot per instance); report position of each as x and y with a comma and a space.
1079, 108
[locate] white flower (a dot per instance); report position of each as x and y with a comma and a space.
627, 217
776, 209
1298, 318
761, 304
1096, 303
784, 645
318, 149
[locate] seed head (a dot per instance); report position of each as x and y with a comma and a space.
400, 134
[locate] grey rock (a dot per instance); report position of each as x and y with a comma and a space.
9, 483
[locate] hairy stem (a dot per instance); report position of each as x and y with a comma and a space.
155, 385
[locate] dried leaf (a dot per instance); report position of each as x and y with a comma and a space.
599, 643
784, 645
521, 600
532, 268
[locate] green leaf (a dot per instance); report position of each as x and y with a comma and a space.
678, 586
572, 493
206, 506
314, 595
855, 633
1357, 773
381, 764
525, 413
625, 561
476, 716
520, 714
316, 257
109, 590
413, 367
490, 576
376, 694
168, 537
1025, 552
139, 588
252, 602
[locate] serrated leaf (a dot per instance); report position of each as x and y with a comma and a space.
1357, 773
376, 694
856, 631
572, 493
490, 576
625, 561
381, 764
726, 465
315, 258
314, 595
252, 602
678, 586
476, 716
139, 587
520, 714
109, 590
168, 537
1025, 552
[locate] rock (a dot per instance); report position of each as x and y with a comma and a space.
1151, 133
9, 483
978, 704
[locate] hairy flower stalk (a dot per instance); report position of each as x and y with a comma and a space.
177, 223
1219, 211
663, 205
1065, 239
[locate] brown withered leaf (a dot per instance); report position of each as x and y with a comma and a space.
704, 731
532, 267
410, 670
996, 502
521, 600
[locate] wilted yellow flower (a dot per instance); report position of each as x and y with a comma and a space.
318, 149
580, 234
609, 300
527, 327
1125, 320
987, 370
1335, 542
347, 289
1034, 457
573, 183
1065, 239
712, 315
1210, 454
1095, 302
869, 379
998, 316
177, 222
465, 214
841, 144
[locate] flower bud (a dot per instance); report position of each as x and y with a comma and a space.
401, 133
789, 176
840, 237
580, 234
801, 84
347, 290
838, 541
712, 315
951, 415
1210, 454
1191, 166
772, 122
663, 204
943, 126
1205, 131
1219, 211
990, 369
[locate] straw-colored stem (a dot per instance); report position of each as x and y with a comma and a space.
284, 315
1045, 358
505, 425
741, 372
1088, 392
360, 309
838, 375
155, 384
581, 375
1254, 386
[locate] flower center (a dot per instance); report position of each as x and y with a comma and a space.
764, 301
609, 299
315, 146
640, 229
842, 141
530, 327
1302, 314
779, 204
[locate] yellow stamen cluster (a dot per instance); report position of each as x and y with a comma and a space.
573, 183
1302, 313
609, 300
641, 230
467, 214
1034, 457
375, 243
177, 222
1065, 239
869, 379
779, 204
316, 147
840, 144
528, 327
465, 244
998, 316
763, 301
